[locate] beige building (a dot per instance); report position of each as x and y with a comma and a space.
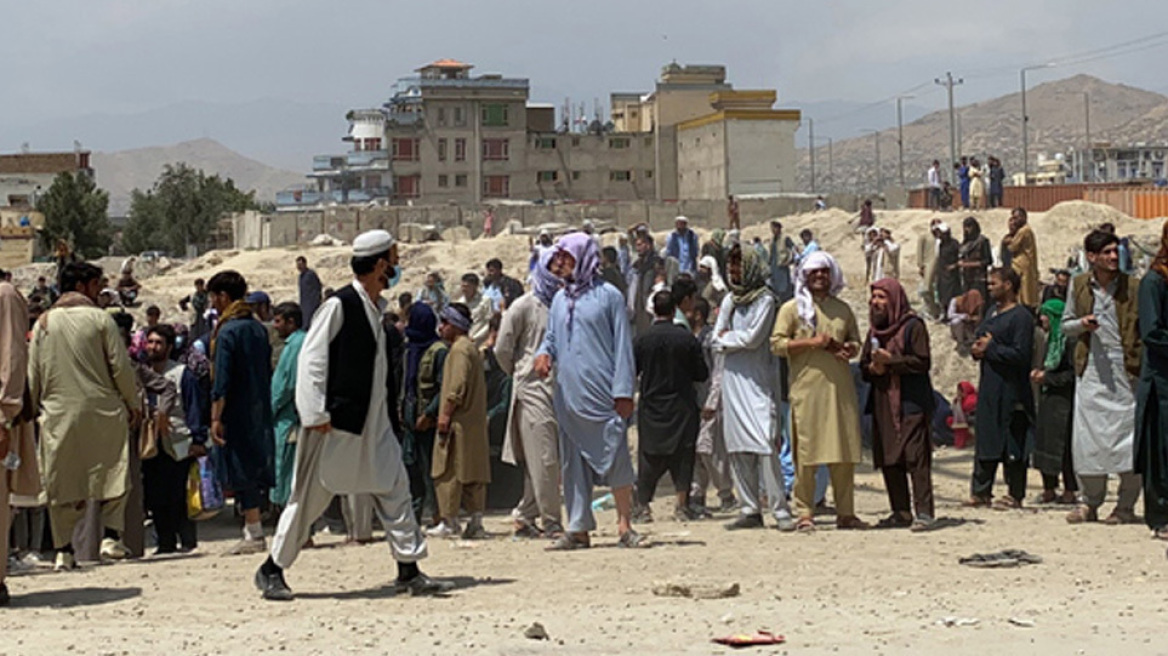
446, 136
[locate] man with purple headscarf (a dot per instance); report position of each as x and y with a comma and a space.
531, 440
589, 344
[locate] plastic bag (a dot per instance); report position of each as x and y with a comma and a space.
204, 493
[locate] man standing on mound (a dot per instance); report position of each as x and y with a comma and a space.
347, 445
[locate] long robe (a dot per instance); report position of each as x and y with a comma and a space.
1024, 260
14, 405
1055, 415
467, 448
948, 276
1005, 383
520, 334
781, 256
825, 411
310, 295
1152, 407
593, 356
82, 381
750, 384
910, 442
243, 378
349, 463
1103, 441
669, 361
284, 414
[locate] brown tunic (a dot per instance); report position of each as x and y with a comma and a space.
467, 449
911, 444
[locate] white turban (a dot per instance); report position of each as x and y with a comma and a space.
803, 298
716, 280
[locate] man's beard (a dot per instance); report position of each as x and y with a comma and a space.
880, 318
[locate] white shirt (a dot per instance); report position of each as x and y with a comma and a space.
934, 177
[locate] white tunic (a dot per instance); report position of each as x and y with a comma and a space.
349, 463
1103, 437
749, 376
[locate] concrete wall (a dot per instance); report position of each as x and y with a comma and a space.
701, 161
761, 156
24, 185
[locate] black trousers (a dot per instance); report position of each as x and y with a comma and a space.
984, 472
165, 486
650, 469
1070, 483
896, 481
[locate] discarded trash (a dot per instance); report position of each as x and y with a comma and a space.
606, 502
536, 632
1022, 622
751, 639
1003, 558
696, 591
957, 621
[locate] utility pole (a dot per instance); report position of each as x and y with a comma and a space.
811, 149
949, 83
1089, 161
876, 139
900, 138
830, 164
1026, 124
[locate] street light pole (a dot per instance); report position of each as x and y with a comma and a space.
876, 139
900, 137
811, 149
1026, 123
1089, 161
949, 83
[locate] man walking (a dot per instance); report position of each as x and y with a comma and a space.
589, 345
1005, 399
531, 439
461, 465
16, 431
927, 247
347, 445
682, 246
1101, 319
287, 324
82, 383
818, 334
310, 291
711, 462
1152, 409
241, 409
669, 363
896, 361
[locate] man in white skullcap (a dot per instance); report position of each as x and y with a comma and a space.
683, 246
347, 445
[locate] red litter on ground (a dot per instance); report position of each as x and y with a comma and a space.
751, 639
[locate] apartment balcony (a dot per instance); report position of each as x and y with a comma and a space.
368, 159
328, 163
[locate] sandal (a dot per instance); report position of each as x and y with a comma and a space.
895, 520
1082, 514
1118, 517
922, 524
631, 539
1160, 533
851, 523
976, 502
1007, 503
805, 525
569, 542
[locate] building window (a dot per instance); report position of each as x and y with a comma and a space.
496, 186
373, 143
407, 186
443, 181
575, 142
575, 175
441, 150
495, 150
459, 116
649, 175
620, 176
405, 150
495, 115
618, 142
460, 180
648, 141
545, 143
441, 116
460, 150
547, 176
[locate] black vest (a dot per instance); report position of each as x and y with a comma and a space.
352, 357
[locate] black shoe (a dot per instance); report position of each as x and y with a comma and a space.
422, 586
273, 585
5, 599
745, 521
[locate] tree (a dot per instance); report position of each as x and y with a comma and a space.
76, 211
182, 209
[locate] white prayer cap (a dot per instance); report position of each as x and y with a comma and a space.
373, 242
942, 227
681, 218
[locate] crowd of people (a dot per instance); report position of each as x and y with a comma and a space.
738, 362
979, 186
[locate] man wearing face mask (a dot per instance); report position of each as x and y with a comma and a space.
347, 444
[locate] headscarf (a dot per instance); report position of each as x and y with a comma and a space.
973, 229
543, 283
421, 333
716, 279
582, 247
1056, 342
718, 237
805, 301
1160, 264
755, 275
456, 319
891, 337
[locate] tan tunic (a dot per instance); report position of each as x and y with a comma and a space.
13, 374
82, 382
1024, 260
825, 413
520, 335
467, 450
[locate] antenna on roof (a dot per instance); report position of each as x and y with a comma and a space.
25, 149
76, 146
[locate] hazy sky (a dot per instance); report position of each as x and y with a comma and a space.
70, 57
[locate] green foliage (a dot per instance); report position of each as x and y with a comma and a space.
75, 211
182, 208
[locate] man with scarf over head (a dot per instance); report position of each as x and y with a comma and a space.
241, 408
532, 440
1152, 393
589, 344
425, 358
347, 444
750, 388
895, 360
818, 334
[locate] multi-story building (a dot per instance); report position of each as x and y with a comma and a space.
1108, 163
447, 136
24, 176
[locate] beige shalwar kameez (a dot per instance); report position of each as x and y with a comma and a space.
462, 458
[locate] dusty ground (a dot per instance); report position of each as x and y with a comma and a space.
1101, 590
